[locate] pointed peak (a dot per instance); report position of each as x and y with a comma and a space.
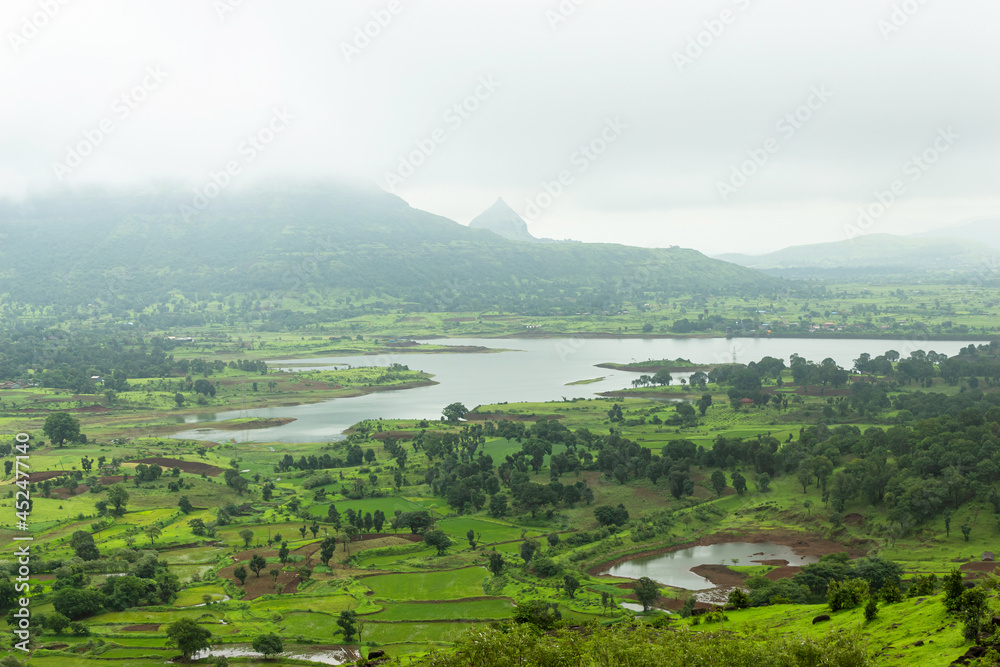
504, 221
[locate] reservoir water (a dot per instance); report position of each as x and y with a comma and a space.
535, 369
674, 569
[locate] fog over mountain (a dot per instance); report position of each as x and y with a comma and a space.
745, 127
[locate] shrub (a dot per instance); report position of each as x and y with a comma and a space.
846, 594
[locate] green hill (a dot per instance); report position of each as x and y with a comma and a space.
131, 251
874, 253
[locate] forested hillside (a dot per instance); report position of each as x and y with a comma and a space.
125, 253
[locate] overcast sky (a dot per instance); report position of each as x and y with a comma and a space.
830, 102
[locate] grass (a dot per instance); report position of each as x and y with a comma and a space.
421, 633
464, 610
448, 585
893, 633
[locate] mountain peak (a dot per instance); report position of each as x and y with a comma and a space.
503, 221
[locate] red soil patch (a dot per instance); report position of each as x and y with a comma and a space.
719, 575
979, 568
47, 474
398, 435
777, 562
312, 385
192, 467
142, 627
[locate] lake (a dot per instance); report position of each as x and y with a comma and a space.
674, 568
536, 369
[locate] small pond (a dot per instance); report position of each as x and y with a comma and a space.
674, 568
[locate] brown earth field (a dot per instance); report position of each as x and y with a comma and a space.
720, 575
802, 543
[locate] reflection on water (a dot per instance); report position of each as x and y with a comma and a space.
674, 568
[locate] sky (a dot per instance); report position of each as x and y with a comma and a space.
721, 125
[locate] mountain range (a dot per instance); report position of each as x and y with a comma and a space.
130, 251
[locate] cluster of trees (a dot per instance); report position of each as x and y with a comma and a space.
146, 582
62, 360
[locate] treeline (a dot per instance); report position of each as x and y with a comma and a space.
70, 360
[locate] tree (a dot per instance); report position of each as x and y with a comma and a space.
327, 549
647, 591
82, 543
496, 564
347, 621
738, 599
455, 412
679, 482
607, 515
152, 532
188, 636
704, 403
333, 516
438, 540
846, 594
118, 496
473, 538
268, 645
247, 536
763, 482
60, 427
539, 613
76, 603
662, 377
416, 521
871, 610
528, 549
953, 589
240, 573
966, 531
739, 483
257, 563
179, 399
185, 505
56, 622
498, 505
719, 482
283, 553
571, 584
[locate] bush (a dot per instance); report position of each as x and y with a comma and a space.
544, 615
846, 594
545, 567
871, 610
